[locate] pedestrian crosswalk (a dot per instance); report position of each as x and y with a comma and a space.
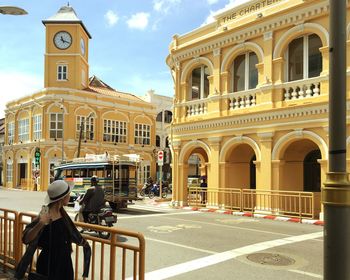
143, 207
153, 208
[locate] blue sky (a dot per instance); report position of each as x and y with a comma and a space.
129, 44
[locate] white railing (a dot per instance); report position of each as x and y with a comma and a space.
242, 99
196, 107
302, 89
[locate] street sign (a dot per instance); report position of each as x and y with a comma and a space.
160, 157
37, 155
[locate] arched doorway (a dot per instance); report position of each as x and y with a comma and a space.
300, 170
240, 171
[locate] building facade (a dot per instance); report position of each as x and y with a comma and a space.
164, 108
73, 114
251, 98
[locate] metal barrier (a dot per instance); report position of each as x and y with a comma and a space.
121, 249
8, 238
281, 203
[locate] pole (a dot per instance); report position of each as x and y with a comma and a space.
80, 136
62, 148
336, 190
160, 180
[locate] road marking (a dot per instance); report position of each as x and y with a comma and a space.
182, 246
306, 273
151, 208
185, 267
236, 227
156, 215
169, 229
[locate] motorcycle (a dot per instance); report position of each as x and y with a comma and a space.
145, 189
104, 217
155, 190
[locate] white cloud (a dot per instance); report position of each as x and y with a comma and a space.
229, 5
163, 6
210, 18
15, 85
111, 18
138, 21
212, 2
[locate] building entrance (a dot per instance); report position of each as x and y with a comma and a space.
22, 175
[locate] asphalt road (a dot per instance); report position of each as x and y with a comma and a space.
184, 244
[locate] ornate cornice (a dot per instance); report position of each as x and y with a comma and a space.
246, 121
257, 29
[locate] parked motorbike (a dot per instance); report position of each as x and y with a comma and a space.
104, 217
146, 189
155, 190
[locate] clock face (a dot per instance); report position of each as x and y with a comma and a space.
82, 46
62, 40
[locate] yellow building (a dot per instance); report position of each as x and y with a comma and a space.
251, 101
50, 119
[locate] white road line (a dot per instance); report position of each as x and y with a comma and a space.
151, 208
158, 215
178, 269
235, 227
182, 246
306, 273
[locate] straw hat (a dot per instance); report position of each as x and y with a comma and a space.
57, 190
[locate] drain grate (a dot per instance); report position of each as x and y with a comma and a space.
270, 259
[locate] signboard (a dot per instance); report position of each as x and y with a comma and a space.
37, 155
160, 157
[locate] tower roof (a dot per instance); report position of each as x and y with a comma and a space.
66, 15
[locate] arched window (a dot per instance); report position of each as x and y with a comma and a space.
199, 83
245, 73
157, 141
304, 58
168, 116
159, 117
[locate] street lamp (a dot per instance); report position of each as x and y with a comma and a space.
82, 123
11, 10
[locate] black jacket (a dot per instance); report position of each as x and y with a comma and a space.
32, 246
94, 199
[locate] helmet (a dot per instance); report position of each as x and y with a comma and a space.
94, 180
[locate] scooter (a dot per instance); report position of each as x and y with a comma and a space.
104, 217
145, 189
155, 190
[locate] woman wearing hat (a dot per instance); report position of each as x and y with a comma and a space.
54, 232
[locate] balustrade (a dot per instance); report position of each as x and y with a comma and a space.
196, 108
302, 89
240, 100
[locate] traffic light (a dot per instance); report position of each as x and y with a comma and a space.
37, 155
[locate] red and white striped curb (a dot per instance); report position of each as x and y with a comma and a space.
255, 215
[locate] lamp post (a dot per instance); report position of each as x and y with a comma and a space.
12, 10
62, 148
81, 131
336, 190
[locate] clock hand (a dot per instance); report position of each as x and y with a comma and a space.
63, 41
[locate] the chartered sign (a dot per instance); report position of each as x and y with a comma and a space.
245, 10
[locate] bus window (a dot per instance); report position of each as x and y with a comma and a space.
83, 173
76, 173
67, 173
99, 173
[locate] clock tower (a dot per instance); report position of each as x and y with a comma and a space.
66, 51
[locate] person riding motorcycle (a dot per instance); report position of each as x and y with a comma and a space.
93, 200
